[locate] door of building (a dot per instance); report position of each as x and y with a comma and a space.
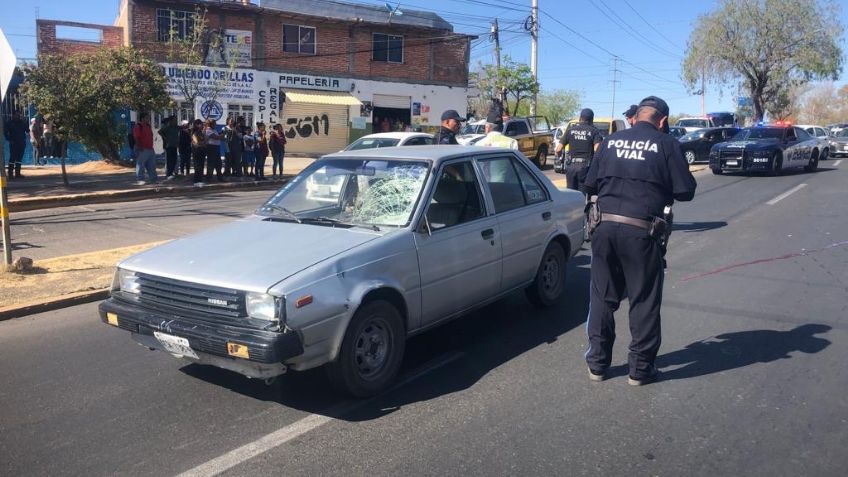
313, 128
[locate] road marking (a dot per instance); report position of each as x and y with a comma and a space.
836, 164
298, 428
786, 194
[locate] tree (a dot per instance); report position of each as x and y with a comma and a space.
83, 92
558, 105
515, 79
824, 104
769, 46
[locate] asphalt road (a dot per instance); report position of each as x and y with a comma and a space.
753, 358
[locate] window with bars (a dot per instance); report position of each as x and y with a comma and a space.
388, 48
174, 24
299, 39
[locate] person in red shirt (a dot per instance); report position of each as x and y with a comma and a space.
145, 157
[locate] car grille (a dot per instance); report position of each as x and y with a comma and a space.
192, 298
731, 155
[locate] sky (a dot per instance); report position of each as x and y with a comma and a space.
577, 42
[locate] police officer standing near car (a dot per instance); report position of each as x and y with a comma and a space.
583, 140
636, 174
450, 126
630, 115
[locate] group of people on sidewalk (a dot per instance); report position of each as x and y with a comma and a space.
234, 151
44, 141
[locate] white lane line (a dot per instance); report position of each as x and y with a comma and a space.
298, 428
836, 164
786, 194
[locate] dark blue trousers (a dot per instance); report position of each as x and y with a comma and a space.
625, 262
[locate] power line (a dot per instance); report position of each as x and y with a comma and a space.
656, 30
626, 26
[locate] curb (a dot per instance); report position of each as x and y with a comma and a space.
17, 311
36, 203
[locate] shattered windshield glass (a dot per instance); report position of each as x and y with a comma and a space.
351, 192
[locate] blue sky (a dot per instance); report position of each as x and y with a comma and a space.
576, 42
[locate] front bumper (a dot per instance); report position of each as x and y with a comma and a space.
740, 163
266, 350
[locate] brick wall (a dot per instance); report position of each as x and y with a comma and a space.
111, 37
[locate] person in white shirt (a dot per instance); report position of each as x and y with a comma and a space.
494, 137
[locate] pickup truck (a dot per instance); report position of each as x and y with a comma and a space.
533, 134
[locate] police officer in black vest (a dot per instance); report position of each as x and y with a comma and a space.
636, 174
583, 140
450, 126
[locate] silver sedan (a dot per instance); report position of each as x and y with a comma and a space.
355, 254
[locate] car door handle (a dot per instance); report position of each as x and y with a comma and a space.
488, 234
546, 216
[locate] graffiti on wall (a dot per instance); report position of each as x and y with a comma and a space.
307, 126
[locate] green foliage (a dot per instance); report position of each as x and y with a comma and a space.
82, 92
558, 105
514, 79
769, 46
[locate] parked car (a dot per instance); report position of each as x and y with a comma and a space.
770, 149
472, 132
696, 145
676, 131
835, 128
533, 134
822, 134
723, 119
415, 237
694, 124
839, 143
391, 139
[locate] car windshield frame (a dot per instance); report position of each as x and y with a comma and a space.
755, 134
352, 192
379, 141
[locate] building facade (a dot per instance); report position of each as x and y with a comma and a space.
328, 71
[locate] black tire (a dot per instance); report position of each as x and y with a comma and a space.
541, 159
813, 164
717, 171
824, 154
690, 156
549, 284
371, 352
776, 165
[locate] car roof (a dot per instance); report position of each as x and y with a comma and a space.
809, 126
436, 153
395, 135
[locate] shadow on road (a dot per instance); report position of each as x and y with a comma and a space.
483, 341
697, 226
740, 349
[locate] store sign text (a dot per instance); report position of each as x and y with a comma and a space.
314, 82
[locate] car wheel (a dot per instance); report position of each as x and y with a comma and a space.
690, 157
541, 159
716, 170
824, 154
776, 165
371, 352
549, 284
813, 164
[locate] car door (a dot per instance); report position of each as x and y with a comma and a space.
519, 131
524, 212
459, 245
803, 147
711, 138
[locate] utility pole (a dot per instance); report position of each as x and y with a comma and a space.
534, 49
703, 93
497, 39
614, 82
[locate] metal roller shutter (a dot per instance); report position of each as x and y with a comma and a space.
312, 128
389, 101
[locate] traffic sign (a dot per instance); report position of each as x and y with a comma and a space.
7, 64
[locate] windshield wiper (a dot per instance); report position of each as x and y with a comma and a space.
284, 211
331, 221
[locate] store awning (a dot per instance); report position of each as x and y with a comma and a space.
322, 97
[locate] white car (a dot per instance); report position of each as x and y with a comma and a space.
821, 133
472, 132
694, 124
391, 139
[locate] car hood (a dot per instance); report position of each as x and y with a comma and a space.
750, 145
250, 254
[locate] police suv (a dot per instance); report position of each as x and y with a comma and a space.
767, 148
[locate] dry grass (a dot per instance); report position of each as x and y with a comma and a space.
56, 277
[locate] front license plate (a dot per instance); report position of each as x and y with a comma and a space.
732, 163
175, 344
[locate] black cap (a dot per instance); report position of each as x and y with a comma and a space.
452, 114
656, 103
631, 111
587, 115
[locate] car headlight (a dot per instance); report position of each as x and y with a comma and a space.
262, 306
126, 281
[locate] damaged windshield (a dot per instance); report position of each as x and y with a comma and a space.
351, 192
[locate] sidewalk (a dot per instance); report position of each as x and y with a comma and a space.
97, 182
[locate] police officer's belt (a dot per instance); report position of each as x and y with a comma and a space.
623, 219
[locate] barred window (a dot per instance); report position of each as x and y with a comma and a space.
387, 48
174, 24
